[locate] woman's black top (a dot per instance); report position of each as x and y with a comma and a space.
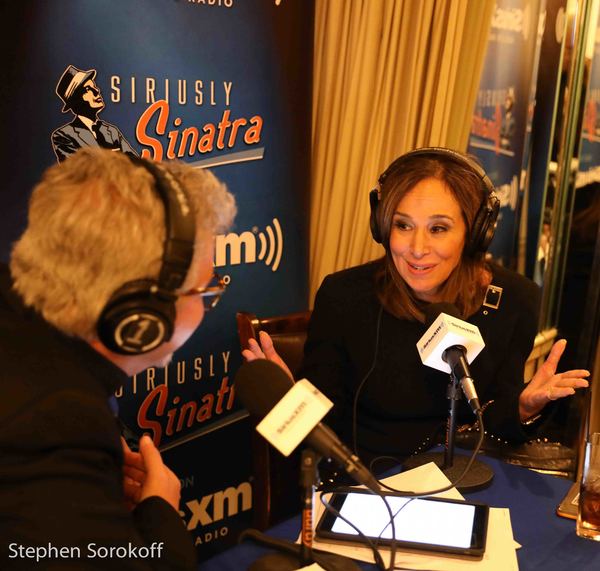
403, 403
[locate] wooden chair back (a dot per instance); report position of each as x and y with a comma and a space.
276, 491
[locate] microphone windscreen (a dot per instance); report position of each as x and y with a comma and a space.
434, 309
260, 385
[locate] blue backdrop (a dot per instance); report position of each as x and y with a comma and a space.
504, 109
218, 83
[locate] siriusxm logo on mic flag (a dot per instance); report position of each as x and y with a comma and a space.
294, 416
447, 331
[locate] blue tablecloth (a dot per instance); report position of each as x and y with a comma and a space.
549, 541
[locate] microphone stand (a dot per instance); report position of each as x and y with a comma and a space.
479, 476
453, 393
308, 482
296, 556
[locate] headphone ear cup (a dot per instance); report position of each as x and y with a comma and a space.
484, 225
374, 204
137, 318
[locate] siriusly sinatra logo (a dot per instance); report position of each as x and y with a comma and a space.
220, 135
81, 96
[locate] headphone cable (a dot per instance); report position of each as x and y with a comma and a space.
363, 381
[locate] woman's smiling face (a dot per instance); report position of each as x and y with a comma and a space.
427, 237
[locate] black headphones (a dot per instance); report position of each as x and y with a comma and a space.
486, 218
140, 315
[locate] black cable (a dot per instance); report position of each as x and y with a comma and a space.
376, 555
393, 544
396, 460
410, 494
363, 381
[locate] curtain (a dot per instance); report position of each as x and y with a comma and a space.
389, 76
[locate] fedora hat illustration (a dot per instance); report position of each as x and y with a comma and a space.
71, 79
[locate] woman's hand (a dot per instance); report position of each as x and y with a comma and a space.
265, 351
547, 385
145, 475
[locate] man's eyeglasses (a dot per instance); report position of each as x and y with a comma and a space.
210, 294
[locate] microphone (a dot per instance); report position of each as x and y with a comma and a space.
449, 345
291, 413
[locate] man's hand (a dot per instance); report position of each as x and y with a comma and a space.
145, 475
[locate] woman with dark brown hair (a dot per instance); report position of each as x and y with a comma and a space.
434, 212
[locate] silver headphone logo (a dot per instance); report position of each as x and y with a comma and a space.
242, 247
140, 332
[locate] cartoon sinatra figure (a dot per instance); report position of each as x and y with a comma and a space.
80, 95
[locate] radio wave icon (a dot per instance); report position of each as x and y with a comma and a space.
271, 245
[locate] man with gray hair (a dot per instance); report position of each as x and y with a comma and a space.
113, 273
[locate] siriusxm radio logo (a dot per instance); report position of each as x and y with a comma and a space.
234, 249
219, 505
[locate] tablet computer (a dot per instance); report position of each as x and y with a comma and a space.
440, 525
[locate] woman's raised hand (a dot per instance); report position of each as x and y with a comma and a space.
265, 350
548, 385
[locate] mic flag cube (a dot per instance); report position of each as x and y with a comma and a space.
294, 416
447, 331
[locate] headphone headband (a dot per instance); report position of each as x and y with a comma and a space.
437, 152
140, 315
180, 227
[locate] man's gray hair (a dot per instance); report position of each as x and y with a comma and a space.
95, 223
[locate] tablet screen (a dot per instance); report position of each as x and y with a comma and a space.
422, 523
